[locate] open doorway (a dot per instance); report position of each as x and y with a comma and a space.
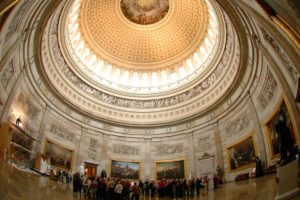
90, 169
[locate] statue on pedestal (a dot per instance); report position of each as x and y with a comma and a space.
285, 140
103, 174
259, 169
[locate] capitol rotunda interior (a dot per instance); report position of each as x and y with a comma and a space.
198, 96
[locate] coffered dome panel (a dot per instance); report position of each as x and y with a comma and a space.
111, 36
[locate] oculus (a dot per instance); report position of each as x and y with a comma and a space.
145, 12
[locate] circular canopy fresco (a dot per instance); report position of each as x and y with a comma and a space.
145, 12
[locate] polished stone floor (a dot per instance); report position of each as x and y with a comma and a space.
18, 185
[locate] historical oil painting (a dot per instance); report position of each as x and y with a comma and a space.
59, 156
242, 155
170, 170
125, 170
271, 129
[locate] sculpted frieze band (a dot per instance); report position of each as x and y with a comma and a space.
7, 74
238, 126
92, 152
62, 132
169, 149
268, 91
204, 144
282, 54
16, 20
30, 110
125, 150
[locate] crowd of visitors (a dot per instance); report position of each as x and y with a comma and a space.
61, 175
101, 188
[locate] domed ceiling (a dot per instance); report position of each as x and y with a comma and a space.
142, 62
148, 46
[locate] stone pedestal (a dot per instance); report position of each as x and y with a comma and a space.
288, 181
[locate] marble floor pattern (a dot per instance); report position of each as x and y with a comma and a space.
18, 185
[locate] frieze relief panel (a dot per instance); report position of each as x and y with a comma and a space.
92, 152
62, 133
289, 65
268, 91
236, 127
204, 144
30, 110
7, 74
28, 128
125, 150
16, 20
162, 150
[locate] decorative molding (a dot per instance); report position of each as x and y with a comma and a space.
162, 150
86, 120
62, 133
125, 150
7, 74
237, 126
289, 65
204, 144
268, 91
12, 29
30, 110
92, 153
28, 128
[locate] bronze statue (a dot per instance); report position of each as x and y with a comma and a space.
285, 140
103, 174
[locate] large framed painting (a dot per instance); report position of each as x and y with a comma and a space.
242, 155
59, 156
174, 169
270, 127
125, 170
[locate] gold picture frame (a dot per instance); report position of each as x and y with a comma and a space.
139, 163
171, 161
63, 147
274, 153
240, 142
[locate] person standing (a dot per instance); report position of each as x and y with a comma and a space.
259, 170
192, 187
198, 186
80, 184
118, 191
136, 191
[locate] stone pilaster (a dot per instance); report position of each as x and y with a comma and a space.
146, 168
219, 149
259, 134
190, 156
